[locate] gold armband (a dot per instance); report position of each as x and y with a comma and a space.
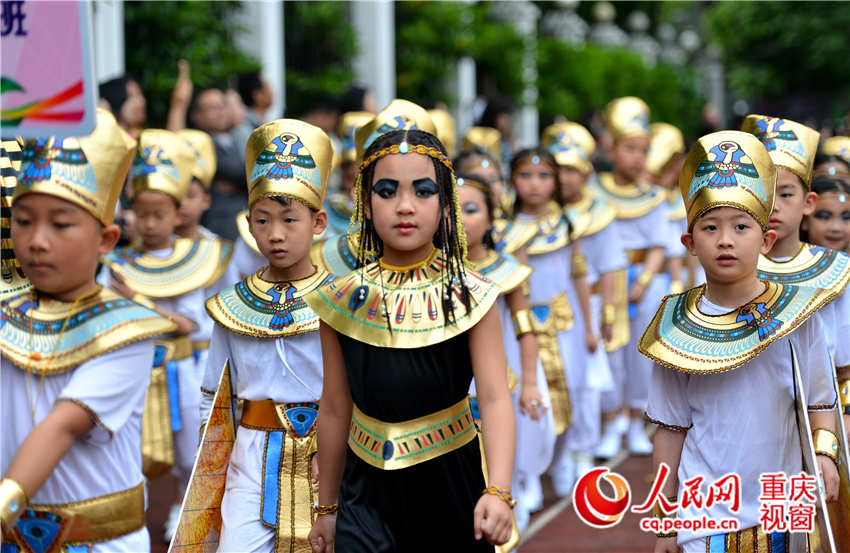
660, 515
844, 394
13, 501
522, 322
579, 266
645, 278
609, 313
826, 443
143, 301
676, 287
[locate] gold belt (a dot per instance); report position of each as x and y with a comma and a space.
200, 345
397, 445
749, 540
559, 317
636, 256
177, 348
261, 415
98, 519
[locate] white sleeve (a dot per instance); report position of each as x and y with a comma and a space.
604, 250
841, 329
814, 363
191, 305
111, 387
668, 399
219, 354
654, 227
675, 248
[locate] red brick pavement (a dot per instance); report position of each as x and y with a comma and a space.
163, 492
568, 534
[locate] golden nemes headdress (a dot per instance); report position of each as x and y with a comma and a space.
445, 124
837, 146
486, 138
164, 162
571, 144
205, 159
365, 255
626, 117
348, 125
790, 144
728, 169
289, 158
87, 171
665, 141
399, 115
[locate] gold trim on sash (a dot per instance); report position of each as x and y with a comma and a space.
391, 446
750, 540
261, 415
636, 256
560, 318
620, 330
98, 519
633, 200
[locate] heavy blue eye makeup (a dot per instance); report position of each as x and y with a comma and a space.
823, 215
471, 208
385, 188
845, 215
425, 188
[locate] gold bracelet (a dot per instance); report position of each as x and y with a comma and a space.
660, 514
844, 394
522, 322
609, 314
579, 266
13, 500
326, 509
676, 287
826, 443
501, 493
645, 278
143, 301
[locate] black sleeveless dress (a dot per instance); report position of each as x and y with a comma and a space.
426, 507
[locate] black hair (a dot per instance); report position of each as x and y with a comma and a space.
488, 241
246, 85
286, 201
476, 151
196, 94
352, 99
496, 105
447, 238
822, 184
321, 102
114, 91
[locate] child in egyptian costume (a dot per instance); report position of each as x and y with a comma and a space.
338, 254
169, 274
528, 384
402, 337
560, 300
592, 216
339, 204
76, 358
642, 223
663, 164
488, 141
829, 224
792, 148
833, 157
733, 358
265, 350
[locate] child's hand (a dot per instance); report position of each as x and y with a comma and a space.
667, 545
531, 402
607, 332
314, 461
636, 292
591, 340
493, 520
829, 473
182, 93
322, 534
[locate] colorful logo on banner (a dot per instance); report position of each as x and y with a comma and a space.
593, 506
47, 85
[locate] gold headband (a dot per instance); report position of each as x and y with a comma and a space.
163, 163
405, 148
791, 145
203, 147
445, 125
728, 169
665, 141
571, 144
469, 180
837, 146
626, 117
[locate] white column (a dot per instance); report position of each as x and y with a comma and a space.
263, 39
374, 23
465, 92
108, 39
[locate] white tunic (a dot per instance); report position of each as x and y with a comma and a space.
743, 421
111, 387
244, 262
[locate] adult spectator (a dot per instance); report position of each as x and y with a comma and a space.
124, 98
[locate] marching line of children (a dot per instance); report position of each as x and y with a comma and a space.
581, 262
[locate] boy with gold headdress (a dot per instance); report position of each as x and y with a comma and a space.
267, 338
76, 358
728, 354
792, 147
642, 223
592, 216
169, 274
336, 254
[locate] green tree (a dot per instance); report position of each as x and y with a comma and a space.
320, 45
158, 34
775, 50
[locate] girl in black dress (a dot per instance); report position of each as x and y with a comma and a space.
402, 338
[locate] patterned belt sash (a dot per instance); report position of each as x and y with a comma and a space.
391, 446
547, 321
749, 540
47, 528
